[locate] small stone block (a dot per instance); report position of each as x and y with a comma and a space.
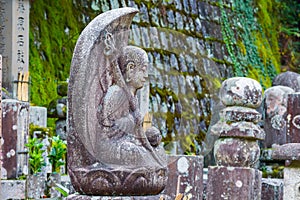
272, 189
247, 130
38, 116
185, 176
290, 151
234, 183
291, 190
12, 189
237, 113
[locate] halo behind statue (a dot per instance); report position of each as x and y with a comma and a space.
91, 68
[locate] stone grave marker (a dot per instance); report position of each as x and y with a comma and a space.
14, 46
237, 151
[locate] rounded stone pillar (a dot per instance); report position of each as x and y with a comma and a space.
236, 150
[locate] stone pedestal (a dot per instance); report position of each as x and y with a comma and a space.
272, 189
15, 134
12, 189
291, 154
236, 150
234, 183
185, 176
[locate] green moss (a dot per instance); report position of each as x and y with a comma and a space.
252, 46
54, 29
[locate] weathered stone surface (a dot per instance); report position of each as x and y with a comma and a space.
289, 79
247, 130
35, 186
185, 176
293, 118
239, 91
234, 183
109, 153
12, 189
236, 152
290, 151
38, 116
272, 189
14, 47
236, 114
15, 133
291, 189
275, 109
61, 128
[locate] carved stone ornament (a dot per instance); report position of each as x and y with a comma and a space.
109, 153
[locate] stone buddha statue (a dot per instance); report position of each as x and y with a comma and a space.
109, 153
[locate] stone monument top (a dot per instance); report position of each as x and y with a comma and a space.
109, 153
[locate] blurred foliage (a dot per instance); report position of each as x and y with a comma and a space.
57, 153
289, 37
36, 160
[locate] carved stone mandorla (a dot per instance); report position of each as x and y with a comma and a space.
108, 151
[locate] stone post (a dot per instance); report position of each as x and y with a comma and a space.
15, 47
275, 110
15, 134
290, 152
236, 151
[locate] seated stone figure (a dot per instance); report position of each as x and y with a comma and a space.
120, 130
109, 153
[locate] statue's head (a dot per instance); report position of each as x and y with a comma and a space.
133, 63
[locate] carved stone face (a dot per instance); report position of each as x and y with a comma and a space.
138, 73
135, 63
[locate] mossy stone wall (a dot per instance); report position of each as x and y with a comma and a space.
192, 46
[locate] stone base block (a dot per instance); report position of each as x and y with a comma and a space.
185, 176
12, 189
292, 181
272, 189
234, 183
86, 197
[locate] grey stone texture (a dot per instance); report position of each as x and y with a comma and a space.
292, 182
272, 189
185, 176
290, 153
15, 119
38, 116
12, 189
240, 91
293, 118
289, 79
275, 112
234, 183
